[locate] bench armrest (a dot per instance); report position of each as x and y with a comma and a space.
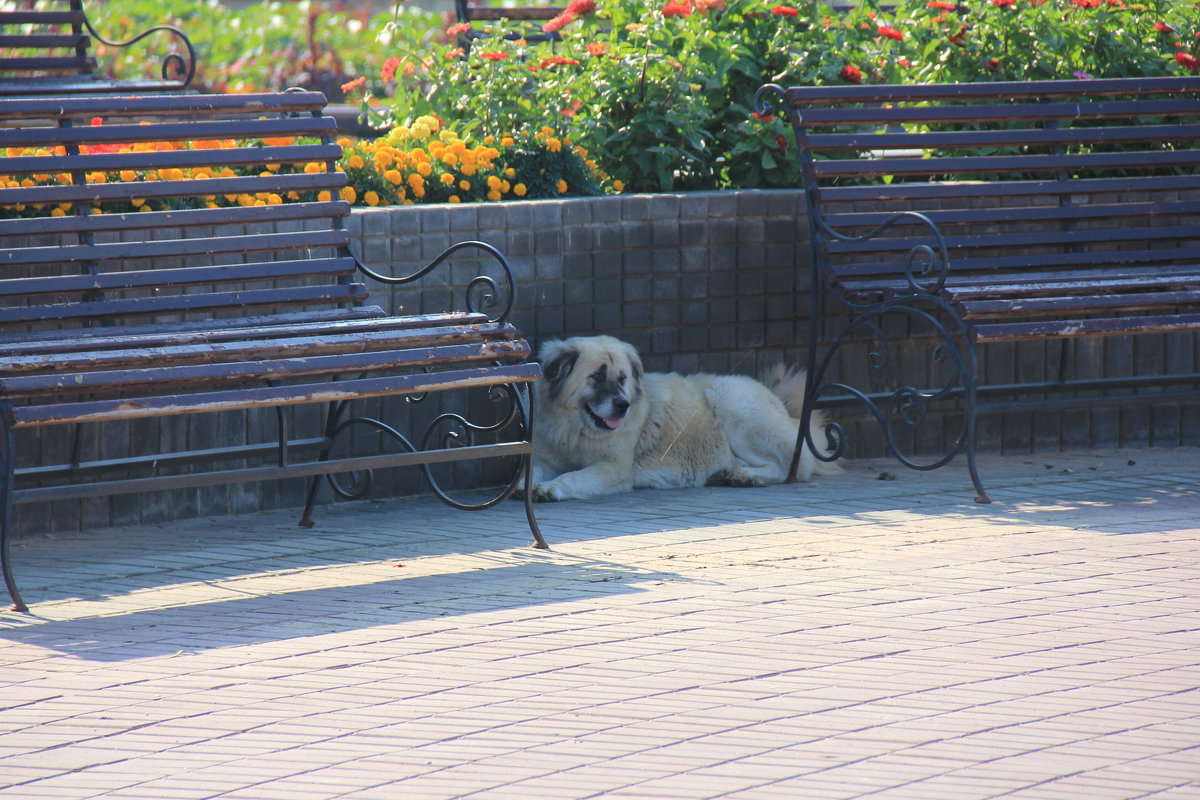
484, 293
926, 264
184, 71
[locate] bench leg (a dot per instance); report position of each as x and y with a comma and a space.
331, 428
7, 454
527, 465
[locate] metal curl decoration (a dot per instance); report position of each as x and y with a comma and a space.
934, 259
492, 293
185, 69
462, 433
363, 479
761, 105
907, 404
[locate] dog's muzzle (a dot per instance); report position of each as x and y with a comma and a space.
615, 415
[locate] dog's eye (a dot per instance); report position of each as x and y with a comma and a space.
621, 379
596, 377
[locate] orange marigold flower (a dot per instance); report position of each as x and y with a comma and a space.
597, 49
558, 23
389, 68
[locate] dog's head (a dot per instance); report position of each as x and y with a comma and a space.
597, 377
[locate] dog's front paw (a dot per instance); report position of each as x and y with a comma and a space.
547, 493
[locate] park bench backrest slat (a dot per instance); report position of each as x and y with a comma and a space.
209, 246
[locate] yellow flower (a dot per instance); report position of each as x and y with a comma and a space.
274, 200
57, 212
128, 176
455, 198
322, 196
449, 158
245, 200
384, 159
446, 178
618, 186
424, 168
311, 168
348, 194
553, 145
293, 195
505, 186
519, 190
493, 182
510, 173
393, 177
416, 182
507, 141
273, 167
562, 186
464, 185
493, 195
371, 199
344, 142
355, 161
96, 177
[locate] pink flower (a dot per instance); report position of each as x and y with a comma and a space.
558, 23
579, 7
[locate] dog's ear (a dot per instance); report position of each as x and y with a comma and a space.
635, 363
558, 359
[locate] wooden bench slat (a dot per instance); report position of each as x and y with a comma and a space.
1130, 301
898, 115
178, 159
169, 248
975, 189
1029, 213
850, 168
72, 63
144, 220
267, 369
42, 17
1045, 284
44, 40
236, 399
1006, 241
181, 276
188, 303
329, 322
292, 344
1046, 137
1074, 328
183, 131
85, 108
802, 97
147, 190
515, 13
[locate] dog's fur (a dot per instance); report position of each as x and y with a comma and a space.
603, 425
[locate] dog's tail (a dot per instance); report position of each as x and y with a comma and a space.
788, 384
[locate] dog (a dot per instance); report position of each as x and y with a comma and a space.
604, 425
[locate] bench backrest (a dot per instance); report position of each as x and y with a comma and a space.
169, 207
1090, 171
47, 50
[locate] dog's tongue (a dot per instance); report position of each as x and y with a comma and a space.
613, 423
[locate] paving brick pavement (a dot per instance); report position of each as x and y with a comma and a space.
851, 638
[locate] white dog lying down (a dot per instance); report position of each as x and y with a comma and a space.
603, 425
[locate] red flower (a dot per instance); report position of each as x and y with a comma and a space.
1086, 3
785, 11
1189, 61
992, 65
781, 143
559, 22
762, 117
888, 32
851, 74
944, 6
677, 8
558, 61
959, 38
389, 68
1004, 3
455, 30
597, 49
578, 7
495, 55
1163, 27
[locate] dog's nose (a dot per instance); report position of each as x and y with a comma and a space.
620, 406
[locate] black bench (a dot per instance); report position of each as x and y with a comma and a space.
211, 301
46, 51
997, 214
527, 20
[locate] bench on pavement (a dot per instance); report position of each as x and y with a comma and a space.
152, 271
976, 215
47, 50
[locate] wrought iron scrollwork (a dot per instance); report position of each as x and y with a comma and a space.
926, 264
483, 293
184, 71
